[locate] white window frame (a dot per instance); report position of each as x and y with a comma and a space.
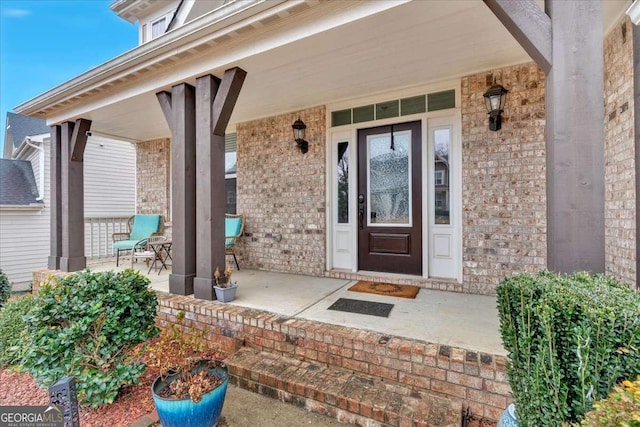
146, 28
439, 177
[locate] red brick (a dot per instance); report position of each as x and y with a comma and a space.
492, 412
397, 364
342, 402
487, 372
404, 351
334, 360
381, 371
355, 365
487, 398
465, 380
497, 387
414, 380
378, 412
448, 388
429, 372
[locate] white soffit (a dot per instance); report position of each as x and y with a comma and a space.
320, 54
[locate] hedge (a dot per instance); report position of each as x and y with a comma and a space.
570, 339
84, 325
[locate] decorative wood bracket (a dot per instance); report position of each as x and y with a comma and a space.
529, 25
79, 139
225, 99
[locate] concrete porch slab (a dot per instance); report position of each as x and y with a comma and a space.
448, 318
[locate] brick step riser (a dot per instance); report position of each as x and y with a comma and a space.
351, 398
476, 380
342, 415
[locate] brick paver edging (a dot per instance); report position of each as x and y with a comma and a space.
476, 380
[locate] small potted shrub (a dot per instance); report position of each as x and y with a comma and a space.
190, 390
224, 287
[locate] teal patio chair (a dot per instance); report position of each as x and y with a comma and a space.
233, 227
141, 227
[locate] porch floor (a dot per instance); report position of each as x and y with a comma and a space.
447, 318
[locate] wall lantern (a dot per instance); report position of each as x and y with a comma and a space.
298, 135
494, 99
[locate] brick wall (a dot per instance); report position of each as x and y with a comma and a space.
620, 227
503, 179
473, 379
281, 191
153, 178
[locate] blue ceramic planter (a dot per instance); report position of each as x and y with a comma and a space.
186, 413
508, 418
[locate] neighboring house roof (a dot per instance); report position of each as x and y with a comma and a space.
17, 183
19, 127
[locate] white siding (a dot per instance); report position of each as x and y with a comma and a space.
24, 234
24, 246
109, 191
109, 178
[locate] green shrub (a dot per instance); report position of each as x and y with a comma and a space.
621, 408
5, 288
570, 339
84, 325
13, 329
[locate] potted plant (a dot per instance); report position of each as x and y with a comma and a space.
190, 390
224, 287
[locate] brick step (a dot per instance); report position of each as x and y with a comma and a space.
351, 398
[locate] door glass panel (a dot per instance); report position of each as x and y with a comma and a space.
442, 193
343, 183
389, 171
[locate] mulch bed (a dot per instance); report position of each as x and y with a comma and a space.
132, 403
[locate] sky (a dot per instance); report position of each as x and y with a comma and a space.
44, 43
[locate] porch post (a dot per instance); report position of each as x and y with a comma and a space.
74, 140
567, 44
55, 200
179, 111
215, 100
575, 137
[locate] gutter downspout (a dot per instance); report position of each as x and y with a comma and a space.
40, 148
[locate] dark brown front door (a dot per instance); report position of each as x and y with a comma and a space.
389, 199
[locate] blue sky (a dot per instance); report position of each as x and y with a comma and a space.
44, 43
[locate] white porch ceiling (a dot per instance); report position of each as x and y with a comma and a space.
411, 44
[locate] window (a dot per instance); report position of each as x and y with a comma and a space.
154, 28
158, 27
442, 149
343, 182
230, 169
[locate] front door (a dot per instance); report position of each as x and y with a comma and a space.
389, 199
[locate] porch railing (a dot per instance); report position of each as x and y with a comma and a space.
98, 233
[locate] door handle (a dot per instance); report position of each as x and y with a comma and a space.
361, 210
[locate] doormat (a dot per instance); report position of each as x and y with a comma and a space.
402, 291
379, 309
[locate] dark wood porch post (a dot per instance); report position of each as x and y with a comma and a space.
215, 100
636, 115
179, 111
575, 138
567, 43
55, 199
74, 141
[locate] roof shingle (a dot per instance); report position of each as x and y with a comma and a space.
17, 183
